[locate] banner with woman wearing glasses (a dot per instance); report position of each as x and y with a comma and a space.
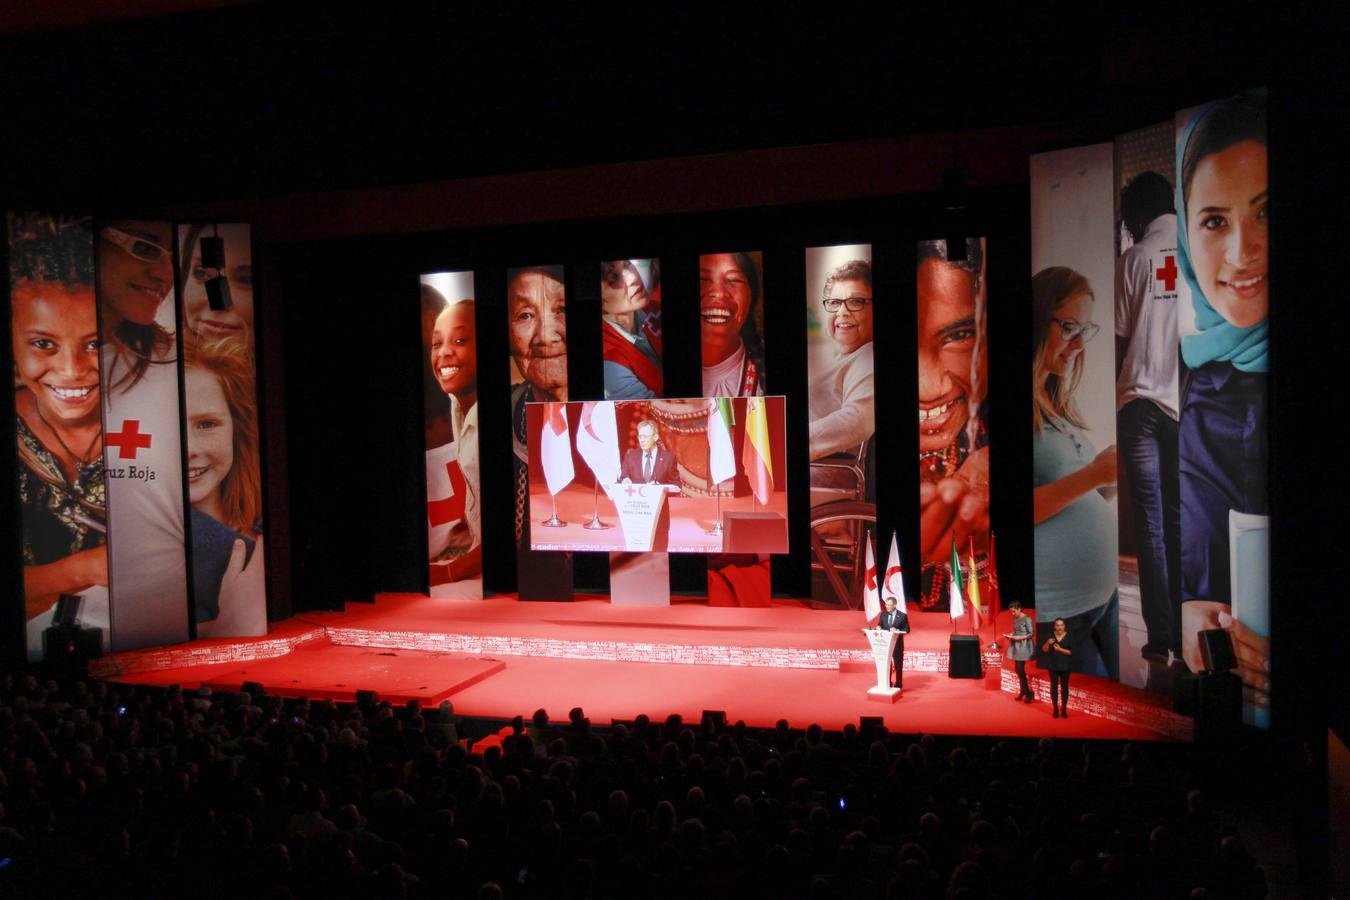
1074, 405
841, 400
142, 441
224, 478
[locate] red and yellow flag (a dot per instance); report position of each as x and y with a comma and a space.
756, 456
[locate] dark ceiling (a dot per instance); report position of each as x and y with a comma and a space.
256, 100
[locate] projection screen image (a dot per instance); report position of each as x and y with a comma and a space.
610, 476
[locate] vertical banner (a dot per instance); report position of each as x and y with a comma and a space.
731, 332
142, 441
1073, 408
953, 413
61, 485
220, 393
1223, 253
630, 297
731, 317
450, 364
841, 399
1149, 291
536, 315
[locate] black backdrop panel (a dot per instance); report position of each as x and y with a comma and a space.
352, 387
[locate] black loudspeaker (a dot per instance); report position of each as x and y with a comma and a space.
253, 688
218, 293
367, 698
964, 660
213, 252
68, 648
1216, 650
713, 719
1218, 707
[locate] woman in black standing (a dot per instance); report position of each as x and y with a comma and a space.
1058, 652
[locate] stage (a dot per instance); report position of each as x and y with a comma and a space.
501, 657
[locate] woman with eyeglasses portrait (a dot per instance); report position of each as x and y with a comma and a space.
1075, 536
841, 397
135, 284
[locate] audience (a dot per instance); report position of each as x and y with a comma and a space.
111, 790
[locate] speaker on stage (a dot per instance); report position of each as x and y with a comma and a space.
964, 657
1216, 650
1218, 706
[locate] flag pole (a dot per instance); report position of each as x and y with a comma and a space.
595, 524
553, 521
717, 526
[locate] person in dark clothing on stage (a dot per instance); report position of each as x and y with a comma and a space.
896, 620
649, 462
1058, 652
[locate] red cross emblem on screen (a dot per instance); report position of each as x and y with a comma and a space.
128, 440
448, 509
1168, 273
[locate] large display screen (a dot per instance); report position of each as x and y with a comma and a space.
634, 475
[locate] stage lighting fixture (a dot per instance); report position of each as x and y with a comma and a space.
218, 293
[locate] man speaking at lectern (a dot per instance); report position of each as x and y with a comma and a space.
648, 463
895, 620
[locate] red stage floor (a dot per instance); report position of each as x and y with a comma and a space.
501, 657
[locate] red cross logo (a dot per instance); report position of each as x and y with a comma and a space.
630, 490
449, 508
1168, 273
128, 440
872, 578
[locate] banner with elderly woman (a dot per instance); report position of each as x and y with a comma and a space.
536, 319
839, 367
224, 446
450, 395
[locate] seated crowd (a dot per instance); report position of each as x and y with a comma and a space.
110, 790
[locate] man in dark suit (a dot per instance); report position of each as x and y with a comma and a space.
649, 463
895, 620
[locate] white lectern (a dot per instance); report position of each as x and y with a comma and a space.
639, 507
883, 645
